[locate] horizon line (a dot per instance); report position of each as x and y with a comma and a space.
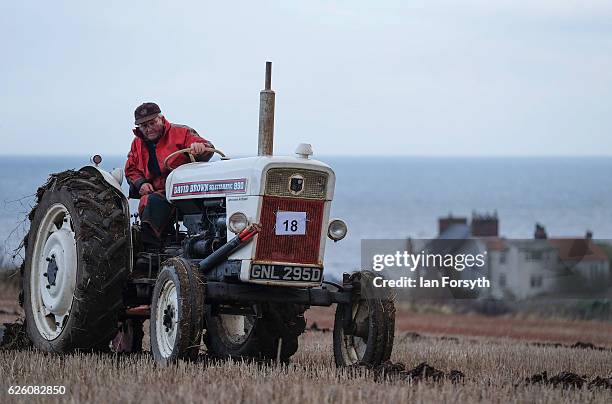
358, 155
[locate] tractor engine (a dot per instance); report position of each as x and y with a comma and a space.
205, 221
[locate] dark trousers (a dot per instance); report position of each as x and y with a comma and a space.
155, 213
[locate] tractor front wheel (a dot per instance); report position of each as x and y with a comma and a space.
364, 329
176, 312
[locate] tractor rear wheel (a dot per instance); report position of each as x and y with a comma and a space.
77, 263
256, 337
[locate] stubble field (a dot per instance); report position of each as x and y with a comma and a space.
494, 363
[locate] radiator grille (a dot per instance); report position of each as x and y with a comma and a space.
315, 183
299, 249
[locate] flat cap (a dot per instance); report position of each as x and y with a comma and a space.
146, 112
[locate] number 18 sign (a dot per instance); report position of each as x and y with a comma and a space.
290, 223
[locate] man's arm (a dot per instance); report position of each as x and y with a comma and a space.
135, 177
193, 137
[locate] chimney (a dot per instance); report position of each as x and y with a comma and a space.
540, 232
485, 225
445, 222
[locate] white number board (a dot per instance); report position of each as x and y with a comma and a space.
290, 223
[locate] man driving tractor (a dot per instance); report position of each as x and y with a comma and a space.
88, 278
146, 171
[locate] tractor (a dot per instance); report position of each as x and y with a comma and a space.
241, 265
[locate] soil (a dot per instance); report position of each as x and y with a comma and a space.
389, 371
576, 345
569, 380
13, 336
9, 310
474, 325
562, 334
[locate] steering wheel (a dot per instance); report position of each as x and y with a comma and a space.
186, 151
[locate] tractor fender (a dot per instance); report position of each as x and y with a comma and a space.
114, 178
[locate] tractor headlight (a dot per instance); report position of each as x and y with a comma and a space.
238, 222
337, 229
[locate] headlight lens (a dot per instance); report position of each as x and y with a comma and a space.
337, 229
237, 222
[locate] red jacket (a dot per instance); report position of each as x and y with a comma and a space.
175, 137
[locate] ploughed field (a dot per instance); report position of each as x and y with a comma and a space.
495, 359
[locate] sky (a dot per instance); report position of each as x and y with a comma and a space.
433, 77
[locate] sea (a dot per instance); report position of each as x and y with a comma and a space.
392, 197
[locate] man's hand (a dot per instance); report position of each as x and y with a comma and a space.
197, 148
146, 188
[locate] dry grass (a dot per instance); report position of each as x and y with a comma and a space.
494, 371
494, 368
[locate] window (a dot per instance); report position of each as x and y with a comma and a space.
502, 280
594, 270
533, 255
536, 281
502, 257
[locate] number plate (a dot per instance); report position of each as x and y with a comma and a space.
271, 272
290, 223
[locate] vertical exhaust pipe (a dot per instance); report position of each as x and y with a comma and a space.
266, 116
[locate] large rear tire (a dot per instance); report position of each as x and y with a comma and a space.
364, 329
77, 263
177, 312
